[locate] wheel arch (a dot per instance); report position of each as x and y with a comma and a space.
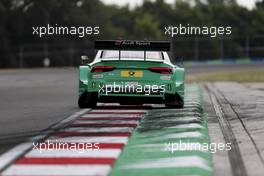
83, 78
180, 81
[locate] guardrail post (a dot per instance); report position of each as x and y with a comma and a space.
21, 55
196, 48
247, 46
221, 48
71, 51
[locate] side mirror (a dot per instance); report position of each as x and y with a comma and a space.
179, 61
85, 60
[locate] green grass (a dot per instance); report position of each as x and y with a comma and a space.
237, 76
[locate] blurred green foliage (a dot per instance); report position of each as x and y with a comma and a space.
143, 22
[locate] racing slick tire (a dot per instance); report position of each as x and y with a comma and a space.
174, 101
87, 100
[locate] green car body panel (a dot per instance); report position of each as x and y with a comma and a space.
92, 82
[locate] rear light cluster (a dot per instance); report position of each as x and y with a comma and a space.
161, 70
98, 69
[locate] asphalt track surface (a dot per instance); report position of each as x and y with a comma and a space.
63, 148
236, 118
34, 100
219, 68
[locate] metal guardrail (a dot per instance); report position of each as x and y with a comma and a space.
192, 49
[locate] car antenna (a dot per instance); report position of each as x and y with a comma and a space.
119, 51
145, 39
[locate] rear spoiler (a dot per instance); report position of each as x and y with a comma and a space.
132, 45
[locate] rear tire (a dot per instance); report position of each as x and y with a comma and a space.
87, 100
174, 101
130, 103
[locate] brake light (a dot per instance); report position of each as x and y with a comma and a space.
97, 69
161, 70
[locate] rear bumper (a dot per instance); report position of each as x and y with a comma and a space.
131, 99
154, 94
131, 92
138, 99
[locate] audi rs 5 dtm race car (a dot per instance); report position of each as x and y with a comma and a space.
131, 72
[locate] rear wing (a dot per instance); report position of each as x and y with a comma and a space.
132, 45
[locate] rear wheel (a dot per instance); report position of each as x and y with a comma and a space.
174, 101
87, 100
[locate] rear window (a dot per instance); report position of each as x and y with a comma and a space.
131, 55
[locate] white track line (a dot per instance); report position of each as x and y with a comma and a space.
121, 110
57, 170
39, 168
175, 162
100, 153
174, 147
188, 134
70, 118
106, 121
112, 115
18, 150
182, 119
98, 139
180, 135
96, 129
189, 126
15, 152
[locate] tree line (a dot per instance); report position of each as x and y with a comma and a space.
17, 17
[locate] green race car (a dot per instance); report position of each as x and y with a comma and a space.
131, 72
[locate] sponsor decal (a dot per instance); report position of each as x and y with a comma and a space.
98, 76
165, 77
